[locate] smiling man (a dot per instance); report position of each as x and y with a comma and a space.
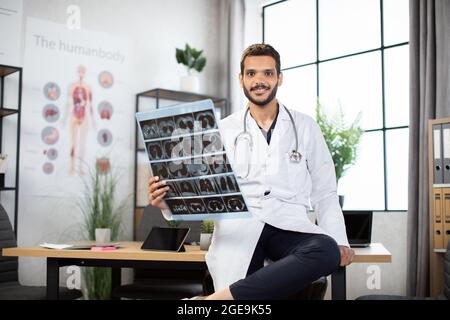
283, 165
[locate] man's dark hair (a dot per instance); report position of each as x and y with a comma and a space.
261, 49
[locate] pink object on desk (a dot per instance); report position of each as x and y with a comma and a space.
103, 248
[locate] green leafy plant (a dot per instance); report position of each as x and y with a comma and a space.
207, 226
191, 58
342, 139
98, 205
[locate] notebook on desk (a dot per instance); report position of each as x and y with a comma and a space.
64, 246
358, 225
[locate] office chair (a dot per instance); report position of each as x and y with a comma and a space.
164, 284
444, 296
10, 287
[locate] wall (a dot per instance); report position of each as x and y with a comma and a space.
154, 29
389, 228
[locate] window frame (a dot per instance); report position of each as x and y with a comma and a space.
318, 62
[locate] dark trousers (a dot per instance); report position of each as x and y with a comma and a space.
298, 259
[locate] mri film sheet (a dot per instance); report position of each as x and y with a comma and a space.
184, 147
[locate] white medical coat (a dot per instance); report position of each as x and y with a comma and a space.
293, 186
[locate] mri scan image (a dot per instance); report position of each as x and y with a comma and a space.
185, 123
177, 206
172, 148
196, 206
205, 119
173, 192
235, 203
187, 188
149, 129
215, 205
207, 186
159, 169
166, 126
212, 142
155, 151
218, 164
178, 169
197, 145
197, 167
186, 146
227, 184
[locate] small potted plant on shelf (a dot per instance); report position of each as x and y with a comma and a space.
342, 140
206, 234
192, 59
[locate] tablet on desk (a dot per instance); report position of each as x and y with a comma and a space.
166, 239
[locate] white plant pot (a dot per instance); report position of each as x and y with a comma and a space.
205, 241
190, 83
102, 235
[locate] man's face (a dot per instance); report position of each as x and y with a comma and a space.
260, 80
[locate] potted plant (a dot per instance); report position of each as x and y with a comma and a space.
206, 234
342, 140
173, 223
192, 59
100, 211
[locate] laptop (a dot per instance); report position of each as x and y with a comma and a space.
166, 239
359, 228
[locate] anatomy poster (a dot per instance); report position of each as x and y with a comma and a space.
77, 106
184, 147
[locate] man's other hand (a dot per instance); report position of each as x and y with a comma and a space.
347, 255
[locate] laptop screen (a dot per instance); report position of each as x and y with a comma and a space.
358, 225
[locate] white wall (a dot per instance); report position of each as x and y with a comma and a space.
155, 28
389, 228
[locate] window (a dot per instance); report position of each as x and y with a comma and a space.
353, 54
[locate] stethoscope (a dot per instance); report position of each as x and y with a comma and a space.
294, 156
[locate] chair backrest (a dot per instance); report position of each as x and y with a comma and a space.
8, 265
152, 217
447, 272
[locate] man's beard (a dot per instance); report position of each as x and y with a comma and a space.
260, 103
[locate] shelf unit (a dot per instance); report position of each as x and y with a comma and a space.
10, 111
155, 99
439, 193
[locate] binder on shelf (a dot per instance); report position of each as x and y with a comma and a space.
446, 151
438, 173
437, 218
446, 217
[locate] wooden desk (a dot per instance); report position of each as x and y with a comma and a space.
128, 256
376, 253
131, 256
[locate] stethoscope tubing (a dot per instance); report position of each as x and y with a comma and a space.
295, 156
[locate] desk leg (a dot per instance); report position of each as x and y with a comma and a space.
52, 279
338, 284
116, 280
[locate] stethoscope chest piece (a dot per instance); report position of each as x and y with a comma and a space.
295, 156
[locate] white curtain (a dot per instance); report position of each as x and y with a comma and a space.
232, 27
